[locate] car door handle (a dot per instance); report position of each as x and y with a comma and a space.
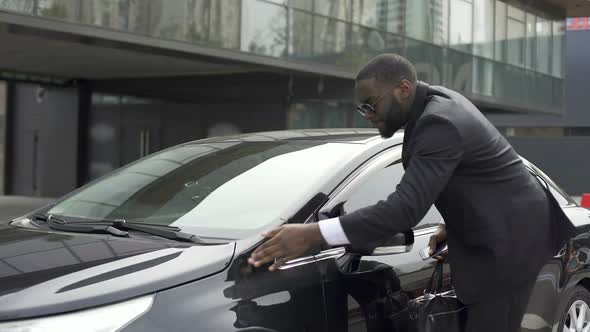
330, 253
323, 255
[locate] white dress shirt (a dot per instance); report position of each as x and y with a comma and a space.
332, 232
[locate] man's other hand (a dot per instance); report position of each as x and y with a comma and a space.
439, 236
285, 243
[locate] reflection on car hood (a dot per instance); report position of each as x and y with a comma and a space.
43, 273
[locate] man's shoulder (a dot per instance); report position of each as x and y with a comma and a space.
450, 105
441, 99
443, 113
439, 108
438, 105
439, 125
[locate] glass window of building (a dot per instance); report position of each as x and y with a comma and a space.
335, 115
516, 13
531, 32
334, 8
441, 35
516, 36
544, 36
367, 42
303, 115
197, 20
168, 19
483, 33
300, 34
329, 36
300, 4
558, 48
461, 25
21, 6
483, 77
366, 12
223, 31
136, 18
67, 10
430, 61
427, 20
376, 42
419, 20
359, 121
116, 14
264, 28
391, 15
500, 33
319, 114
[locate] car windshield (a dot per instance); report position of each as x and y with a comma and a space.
226, 190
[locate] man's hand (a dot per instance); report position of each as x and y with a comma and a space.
439, 236
285, 243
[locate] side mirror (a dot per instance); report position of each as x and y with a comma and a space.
585, 202
398, 244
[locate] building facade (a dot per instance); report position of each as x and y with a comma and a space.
558, 142
119, 79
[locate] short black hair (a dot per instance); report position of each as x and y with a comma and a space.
388, 67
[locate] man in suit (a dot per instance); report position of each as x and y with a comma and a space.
501, 224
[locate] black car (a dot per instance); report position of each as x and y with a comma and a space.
162, 245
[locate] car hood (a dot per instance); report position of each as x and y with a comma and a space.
44, 273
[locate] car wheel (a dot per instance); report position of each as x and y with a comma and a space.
576, 317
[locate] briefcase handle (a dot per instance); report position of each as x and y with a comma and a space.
435, 285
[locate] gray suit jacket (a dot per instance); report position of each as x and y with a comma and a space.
502, 225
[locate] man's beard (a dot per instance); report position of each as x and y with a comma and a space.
395, 118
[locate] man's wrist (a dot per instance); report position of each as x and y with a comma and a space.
332, 232
316, 234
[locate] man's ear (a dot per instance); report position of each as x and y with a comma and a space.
405, 97
406, 89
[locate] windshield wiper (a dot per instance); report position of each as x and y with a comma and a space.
120, 226
165, 231
62, 225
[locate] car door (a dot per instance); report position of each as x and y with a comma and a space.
556, 282
290, 299
370, 292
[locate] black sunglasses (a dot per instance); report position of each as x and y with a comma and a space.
366, 108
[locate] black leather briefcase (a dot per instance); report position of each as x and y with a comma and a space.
437, 311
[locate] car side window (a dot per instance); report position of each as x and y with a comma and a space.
380, 185
560, 199
547, 182
558, 196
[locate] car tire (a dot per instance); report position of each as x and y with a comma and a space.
578, 303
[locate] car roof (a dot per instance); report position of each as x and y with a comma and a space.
366, 136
